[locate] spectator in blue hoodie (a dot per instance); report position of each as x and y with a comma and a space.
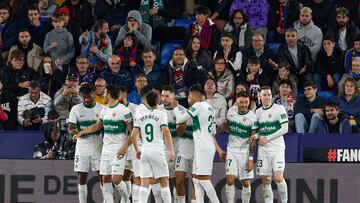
332, 123
352, 53
8, 30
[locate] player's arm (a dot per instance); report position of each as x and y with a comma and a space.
122, 151
134, 134
91, 129
168, 141
252, 147
72, 129
283, 120
180, 129
181, 117
220, 152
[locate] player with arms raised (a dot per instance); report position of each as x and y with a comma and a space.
116, 119
88, 148
152, 124
273, 124
241, 146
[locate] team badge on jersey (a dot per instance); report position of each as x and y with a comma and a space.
269, 115
114, 114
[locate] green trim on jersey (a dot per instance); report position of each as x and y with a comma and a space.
243, 113
188, 133
114, 105
196, 124
114, 127
136, 127
172, 128
268, 107
163, 125
89, 107
81, 125
268, 128
239, 130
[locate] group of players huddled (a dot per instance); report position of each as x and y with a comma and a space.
124, 143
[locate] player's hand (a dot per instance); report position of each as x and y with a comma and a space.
172, 156
73, 131
76, 136
249, 165
222, 155
121, 153
263, 141
138, 155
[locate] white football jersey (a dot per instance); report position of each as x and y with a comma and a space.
115, 121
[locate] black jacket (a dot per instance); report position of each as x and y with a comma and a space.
351, 32
50, 84
9, 105
304, 106
274, 14
11, 79
264, 61
304, 57
81, 13
329, 64
202, 59
323, 14
214, 41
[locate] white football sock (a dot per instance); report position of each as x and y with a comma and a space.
230, 193
283, 191
121, 187
128, 187
108, 192
144, 194
267, 193
210, 190
246, 194
199, 191
181, 199
135, 193
156, 191
83, 193
166, 194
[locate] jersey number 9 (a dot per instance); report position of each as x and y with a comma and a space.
149, 131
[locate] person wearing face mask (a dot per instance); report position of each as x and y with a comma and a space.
31, 50
51, 78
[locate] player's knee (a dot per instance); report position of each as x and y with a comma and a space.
116, 179
278, 178
180, 182
230, 180
82, 178
266, 180
245, 183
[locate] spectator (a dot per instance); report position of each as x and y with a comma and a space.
83, 71
297, 55
96, 45
351, 53
140, 82
308, 33
349, 103
284, 74
100, 95
257, 12
323, 12
206, 29
282, 15
116, 74
230, 52
37, 26
73, 27
68, 96
49, 148
354, 73
51, 77
80, 12
224, 78
134, 24
197, 55
18, 11
33, 108
285, 98
182, 75
8, 104
242, 86
258, 49
255, 79
59, 42
152, 69
128, 51
240, 29
217, 101
47, 9
31, 50
344, 32
328, 68
8, 28
351, 6
17, 76
308, 109
332, 123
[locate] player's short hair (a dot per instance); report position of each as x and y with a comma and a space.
243, 94
152, 98
265, 87
331, 104
168, 88
197, 88
146, 89
156, 87
122, 89
113, 90
310, 83
286, 82
87, 88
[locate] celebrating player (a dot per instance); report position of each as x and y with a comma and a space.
239, 161
152, 125
273, 124
88, 148
115, 118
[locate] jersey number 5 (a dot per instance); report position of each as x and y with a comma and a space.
149, 131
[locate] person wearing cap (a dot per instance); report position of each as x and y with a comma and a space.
36, 102
328, 68
17, 76
68, 96
81, 12
135, 24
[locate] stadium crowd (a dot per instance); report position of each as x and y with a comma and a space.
308, 51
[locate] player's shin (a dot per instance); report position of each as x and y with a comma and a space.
121, 187
282, 188
210, 190
83, 193
199, 191
144, 194
165, 194
268, 194
230, 193
108, 192
246, 194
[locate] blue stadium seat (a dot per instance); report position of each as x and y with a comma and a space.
274, 46
166, 52
184, 23
325, 94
